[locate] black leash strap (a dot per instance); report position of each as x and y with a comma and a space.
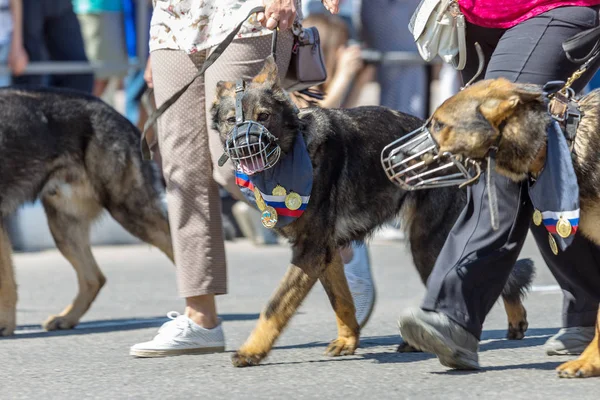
209, 61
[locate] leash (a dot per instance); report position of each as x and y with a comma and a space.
210, 60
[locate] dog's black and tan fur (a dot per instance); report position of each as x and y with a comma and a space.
514, 117
351, 196
79, 156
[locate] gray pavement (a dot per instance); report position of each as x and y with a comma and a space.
92, 361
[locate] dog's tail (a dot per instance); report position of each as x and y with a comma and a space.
519, 281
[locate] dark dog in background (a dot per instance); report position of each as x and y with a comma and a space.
351, 196
79, 156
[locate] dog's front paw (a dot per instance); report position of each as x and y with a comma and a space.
583, 367
242, 359
342, 346
8, 324
516, 331
56, 322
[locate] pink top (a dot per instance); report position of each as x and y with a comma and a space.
508, 13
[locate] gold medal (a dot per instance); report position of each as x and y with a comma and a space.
260, 203
563, 227
279, 191
553, 244
537, 217
293, 201
269, 217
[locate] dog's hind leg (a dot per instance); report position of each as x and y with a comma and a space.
71, 232
335, 284
292, 290
148, 222
588, 364
8, 286
518, 282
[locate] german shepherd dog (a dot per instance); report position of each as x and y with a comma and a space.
351, 196
514, 117
79, 156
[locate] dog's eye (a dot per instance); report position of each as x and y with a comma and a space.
262, 117
231, 120
438, 126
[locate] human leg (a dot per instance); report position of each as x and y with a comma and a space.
194, 209
64, 42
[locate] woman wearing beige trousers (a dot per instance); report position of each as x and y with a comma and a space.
182, 34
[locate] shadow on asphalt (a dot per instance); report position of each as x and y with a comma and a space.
109, 325
544, 366
533, 338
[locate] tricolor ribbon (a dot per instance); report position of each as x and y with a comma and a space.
550, 219
277, 202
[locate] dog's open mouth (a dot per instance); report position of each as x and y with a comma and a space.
251, 166
414, 162
252, 148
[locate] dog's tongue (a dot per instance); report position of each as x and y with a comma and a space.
251, 167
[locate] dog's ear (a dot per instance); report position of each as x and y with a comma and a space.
498, 110
503, 103
269, 75
225, 89
528, 93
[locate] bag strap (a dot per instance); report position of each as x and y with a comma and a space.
207, 63
581, 40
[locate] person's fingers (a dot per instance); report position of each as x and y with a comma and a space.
260, 16
273, 21
284, 24
148, 75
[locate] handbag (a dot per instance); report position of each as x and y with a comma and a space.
307, 65
438, 28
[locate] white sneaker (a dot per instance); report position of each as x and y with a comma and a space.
360, 281
180, 336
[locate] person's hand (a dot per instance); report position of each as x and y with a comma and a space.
278, 13
148, 74
17, 59
349, 61
333, 6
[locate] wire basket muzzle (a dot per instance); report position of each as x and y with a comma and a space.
414, 162
252, 148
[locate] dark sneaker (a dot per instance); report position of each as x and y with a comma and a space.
570, 341
435, 333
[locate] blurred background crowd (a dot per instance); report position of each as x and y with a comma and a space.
101, 47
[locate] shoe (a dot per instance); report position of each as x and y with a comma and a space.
360, 281
181, 336
435, 333
570, 341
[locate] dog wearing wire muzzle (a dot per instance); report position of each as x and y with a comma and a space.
316, 176
549, 138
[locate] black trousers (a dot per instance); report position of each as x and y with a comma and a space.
51, 31
476, 261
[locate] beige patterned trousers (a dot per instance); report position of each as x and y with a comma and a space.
190, 149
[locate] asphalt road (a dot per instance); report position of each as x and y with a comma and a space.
92, 361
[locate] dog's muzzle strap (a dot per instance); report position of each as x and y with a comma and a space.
491, 189
239, 113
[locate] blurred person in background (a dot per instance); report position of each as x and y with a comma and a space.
51, 32
382, 27
12, 52
103, 30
